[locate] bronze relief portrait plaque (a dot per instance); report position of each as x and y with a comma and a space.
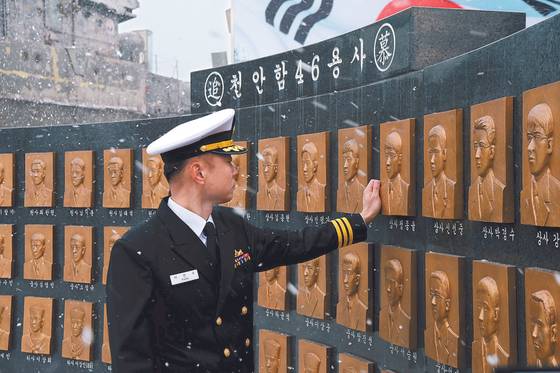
348, 363
274, 163
110, 236
78, 253
39, 179
542, 302
38, 252
6, 179
78, 178
272, 288
6, 250
37, 325
491, 186
313, 175
540, 194
241, 164
396, 165
444, 312
105, 347
494, 316
117, 172
312, 288
274, 352
154, 184
354, 157
398, 311
5, 321
353, 309
313, 357
78, 331
442, 195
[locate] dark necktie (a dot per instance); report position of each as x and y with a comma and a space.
211, 244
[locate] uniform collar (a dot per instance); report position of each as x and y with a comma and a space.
195, 222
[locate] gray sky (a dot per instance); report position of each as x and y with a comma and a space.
183, 31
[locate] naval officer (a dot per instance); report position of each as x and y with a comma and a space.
180, 286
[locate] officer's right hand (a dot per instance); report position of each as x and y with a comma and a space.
371, 201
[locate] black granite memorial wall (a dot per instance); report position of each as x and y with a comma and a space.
441, 60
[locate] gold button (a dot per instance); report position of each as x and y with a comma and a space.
219, 321
227, 352
244, 310
247, 342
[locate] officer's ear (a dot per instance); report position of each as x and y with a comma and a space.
196, 172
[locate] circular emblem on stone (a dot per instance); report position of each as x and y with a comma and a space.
214, 89
384, 47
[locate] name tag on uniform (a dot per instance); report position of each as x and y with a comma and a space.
183, 277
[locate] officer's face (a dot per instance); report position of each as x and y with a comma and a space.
542, 333
37, 248
539, 149
218, 177
392, 286
436, 155
350, 279
486, 308
37, 173
439, 299
310, 273
483, 152
78, 247
77, 175
350, 166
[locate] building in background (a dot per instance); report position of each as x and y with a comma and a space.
64, 61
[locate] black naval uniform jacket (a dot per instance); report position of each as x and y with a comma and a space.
199, 325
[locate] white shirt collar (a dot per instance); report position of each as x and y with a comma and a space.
195, 222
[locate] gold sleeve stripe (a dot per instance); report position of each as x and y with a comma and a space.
337, 229
350, 231
344, 231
